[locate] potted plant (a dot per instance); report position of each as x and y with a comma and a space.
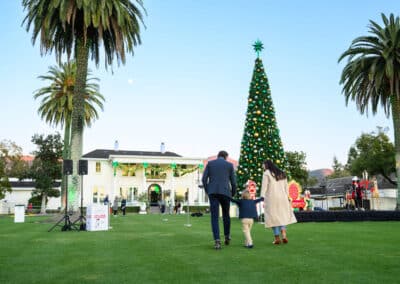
143, 199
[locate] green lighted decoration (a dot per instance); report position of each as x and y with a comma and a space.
261, 139
157, 189
173, 166
145, 165
115, 164
71, 194
258, 47
201, 166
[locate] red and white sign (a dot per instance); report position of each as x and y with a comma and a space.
97, 217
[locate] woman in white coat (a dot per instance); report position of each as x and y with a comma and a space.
277, 210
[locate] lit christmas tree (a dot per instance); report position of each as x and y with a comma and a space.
261, 140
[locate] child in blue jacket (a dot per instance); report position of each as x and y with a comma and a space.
247, 213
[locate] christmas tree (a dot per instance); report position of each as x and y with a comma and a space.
261, 140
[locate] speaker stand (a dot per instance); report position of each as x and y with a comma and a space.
67, 222
81, 218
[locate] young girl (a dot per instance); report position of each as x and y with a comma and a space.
247, 213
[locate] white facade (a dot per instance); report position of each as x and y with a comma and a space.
21, 196
123, 175
107, 175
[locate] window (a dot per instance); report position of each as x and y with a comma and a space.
95, 195
98, 194
130, 193
98, 167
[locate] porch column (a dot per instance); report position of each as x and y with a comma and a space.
145, 165
115, 165
173, 166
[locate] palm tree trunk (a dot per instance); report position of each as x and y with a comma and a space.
395, 102
81, 53
66, 155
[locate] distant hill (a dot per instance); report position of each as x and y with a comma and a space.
320, 174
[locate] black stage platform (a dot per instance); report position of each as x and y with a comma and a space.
346, 216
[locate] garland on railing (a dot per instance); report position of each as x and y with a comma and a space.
128, 169
181, 170
155, 170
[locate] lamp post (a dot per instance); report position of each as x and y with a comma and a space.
199, 185
188, 210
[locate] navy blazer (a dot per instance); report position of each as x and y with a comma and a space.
247, 207
219, 178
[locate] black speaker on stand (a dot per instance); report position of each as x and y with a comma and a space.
82, 170
67, 170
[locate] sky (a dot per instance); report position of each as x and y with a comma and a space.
187, 84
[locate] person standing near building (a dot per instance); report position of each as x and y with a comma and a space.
277, 210
219, 183
123, 206
115, 206
357, 193
374, 194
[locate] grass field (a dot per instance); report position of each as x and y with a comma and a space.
151, 249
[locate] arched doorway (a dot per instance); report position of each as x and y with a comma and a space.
155, 194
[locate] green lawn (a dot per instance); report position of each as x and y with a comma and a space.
151, 249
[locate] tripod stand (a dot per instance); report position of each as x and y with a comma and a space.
81, 218
67, 222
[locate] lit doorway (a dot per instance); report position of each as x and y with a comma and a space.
155, 194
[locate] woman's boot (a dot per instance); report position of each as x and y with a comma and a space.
277, 240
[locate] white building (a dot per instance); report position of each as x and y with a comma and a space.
20, 195
142, 176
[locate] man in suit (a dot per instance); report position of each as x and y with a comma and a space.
220, 184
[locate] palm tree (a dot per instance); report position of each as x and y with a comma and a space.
82, 27
56, 102
372, 75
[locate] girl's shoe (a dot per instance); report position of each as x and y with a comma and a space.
277, 240
285, 240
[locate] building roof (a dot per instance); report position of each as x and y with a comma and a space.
105, 154
340, 185
29, 184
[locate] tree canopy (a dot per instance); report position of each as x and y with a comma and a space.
339, 170
11, 165
297, 166
46, 168
374, 153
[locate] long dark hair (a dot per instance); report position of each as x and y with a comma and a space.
276, 172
